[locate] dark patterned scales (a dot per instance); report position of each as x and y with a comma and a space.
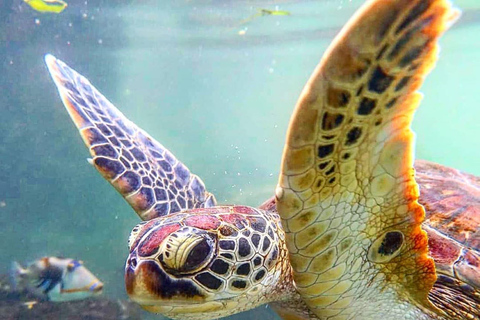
359, 246
147, 175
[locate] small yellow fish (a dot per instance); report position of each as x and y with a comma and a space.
55, 6
30, 304
262, 13
266, 12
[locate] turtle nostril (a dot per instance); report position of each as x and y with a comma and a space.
133, 262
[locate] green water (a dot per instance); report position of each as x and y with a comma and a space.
219, 100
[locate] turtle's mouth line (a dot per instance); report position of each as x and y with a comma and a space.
172, 303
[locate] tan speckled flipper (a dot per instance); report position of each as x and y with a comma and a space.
346, 193
145, 173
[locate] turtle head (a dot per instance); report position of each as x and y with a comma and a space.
207, 263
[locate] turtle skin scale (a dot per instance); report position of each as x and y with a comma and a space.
346, 235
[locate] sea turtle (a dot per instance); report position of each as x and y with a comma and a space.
345, 236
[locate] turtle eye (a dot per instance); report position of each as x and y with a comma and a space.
185, 252
198, 254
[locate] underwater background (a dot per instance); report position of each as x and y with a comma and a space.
207, 79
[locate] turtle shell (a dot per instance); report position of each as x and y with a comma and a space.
452, 203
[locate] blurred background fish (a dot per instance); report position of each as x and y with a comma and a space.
262, 13
56, 279
55, 6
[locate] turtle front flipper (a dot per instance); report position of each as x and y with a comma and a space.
145, 173
346, 193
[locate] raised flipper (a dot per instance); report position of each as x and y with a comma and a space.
145, 173
346, 193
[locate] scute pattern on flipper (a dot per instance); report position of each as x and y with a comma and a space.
346, 191
147, 175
